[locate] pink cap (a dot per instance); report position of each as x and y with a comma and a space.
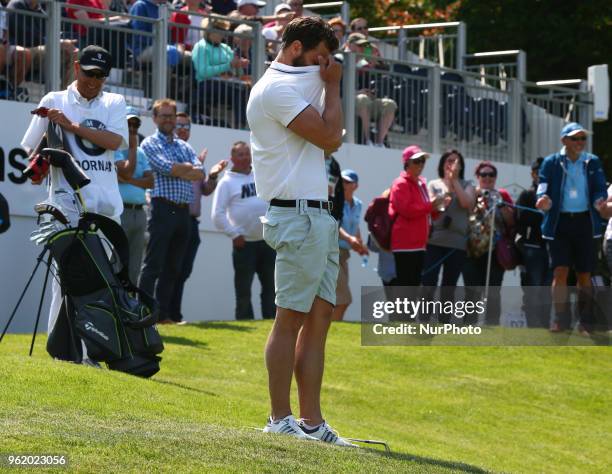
413, 152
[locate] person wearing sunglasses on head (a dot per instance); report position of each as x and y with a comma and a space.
488, 197
572, 193
94, 126
411, 210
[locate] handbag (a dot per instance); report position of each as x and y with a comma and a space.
507, 253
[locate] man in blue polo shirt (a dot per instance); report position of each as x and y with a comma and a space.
572, 193
135, 176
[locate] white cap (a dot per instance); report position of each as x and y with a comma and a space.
281, 7
241, 3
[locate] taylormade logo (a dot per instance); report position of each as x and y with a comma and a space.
90, 327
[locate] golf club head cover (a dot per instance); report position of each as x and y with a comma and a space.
73, 173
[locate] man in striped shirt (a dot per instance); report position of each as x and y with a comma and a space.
175, 165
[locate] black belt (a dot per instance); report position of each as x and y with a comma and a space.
294, 203
181, 205
132, 206
573, 215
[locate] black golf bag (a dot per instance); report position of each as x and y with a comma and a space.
103, 308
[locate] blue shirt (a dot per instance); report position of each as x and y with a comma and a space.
129, 193
147, 9
575, 194
162, 155
350, 220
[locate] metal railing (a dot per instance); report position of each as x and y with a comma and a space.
475, 116
494, 64
388, 101
442, 48
547, 107
322, 9
137, 70
27, 61
214, 76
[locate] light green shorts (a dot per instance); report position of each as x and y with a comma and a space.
306, 244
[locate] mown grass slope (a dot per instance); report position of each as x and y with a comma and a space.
441, 409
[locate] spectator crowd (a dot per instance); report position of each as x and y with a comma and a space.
440, 231
209, 53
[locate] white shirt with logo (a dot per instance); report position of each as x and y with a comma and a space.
286, 165
105, 112
236, 209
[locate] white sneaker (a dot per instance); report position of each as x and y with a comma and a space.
326, 434
287, 426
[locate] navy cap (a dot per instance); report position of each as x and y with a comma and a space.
572, 129
95, 57
350, 176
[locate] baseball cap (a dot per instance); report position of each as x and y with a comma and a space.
131, 112
413, 152
241, 3
281, 7
572, 129
350, 176
244, 29
358, 39
95, 57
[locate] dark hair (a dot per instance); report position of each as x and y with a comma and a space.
310, 31
485, 164
535, 165
443, 159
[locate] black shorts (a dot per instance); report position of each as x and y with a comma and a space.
574, 245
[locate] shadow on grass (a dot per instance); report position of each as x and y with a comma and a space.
222, 325
184, 387
184, 341
454, 466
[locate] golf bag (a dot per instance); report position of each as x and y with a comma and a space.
103, 308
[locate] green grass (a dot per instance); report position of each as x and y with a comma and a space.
441, 409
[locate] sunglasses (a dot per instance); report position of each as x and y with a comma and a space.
183, 126
93, 74
418, 161
578, 139
487, 175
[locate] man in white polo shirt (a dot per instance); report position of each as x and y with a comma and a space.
295, 115
93, 122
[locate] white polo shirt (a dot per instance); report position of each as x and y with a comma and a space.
286, 166
105, 112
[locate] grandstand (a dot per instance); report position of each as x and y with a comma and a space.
445, 96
